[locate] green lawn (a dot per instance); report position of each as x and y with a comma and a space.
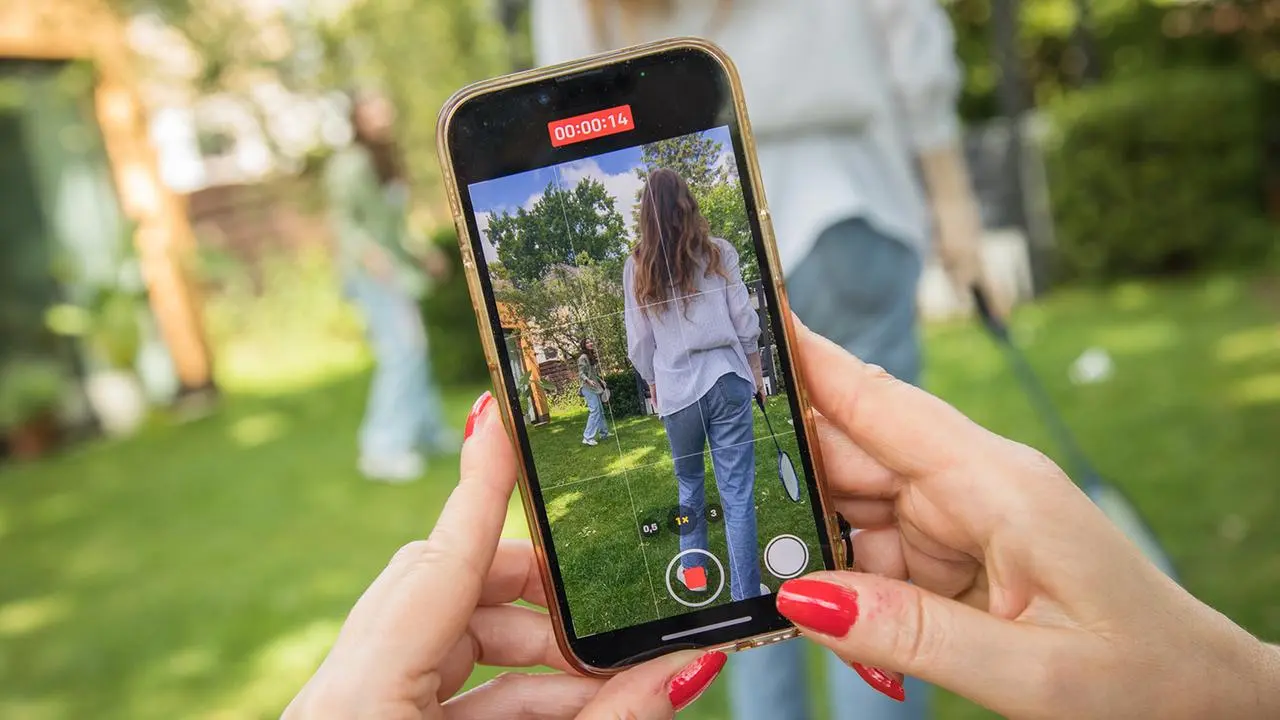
598, 498
201, 570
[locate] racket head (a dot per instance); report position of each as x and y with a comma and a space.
1125, 515
787, 475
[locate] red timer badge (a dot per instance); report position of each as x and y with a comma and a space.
590, 126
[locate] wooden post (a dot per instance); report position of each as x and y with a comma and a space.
89, 30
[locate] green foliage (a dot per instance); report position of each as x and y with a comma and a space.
694, 157
1130, 37
624, 394
573, 303
1158, 174
726, 213
29, 388
562, 226
717, 189
457, 356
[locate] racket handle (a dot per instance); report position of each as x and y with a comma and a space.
994, 324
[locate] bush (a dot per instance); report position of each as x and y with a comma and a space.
456, 354
1158, 174
624, 395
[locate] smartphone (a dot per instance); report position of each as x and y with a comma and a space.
621, 262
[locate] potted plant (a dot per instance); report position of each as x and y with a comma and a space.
107, 318
30, 392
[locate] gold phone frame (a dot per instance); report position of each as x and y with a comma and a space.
493, 360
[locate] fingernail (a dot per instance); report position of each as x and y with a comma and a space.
818, 606
695, 678
881, 681
477, 410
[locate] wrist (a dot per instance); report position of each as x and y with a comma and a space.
1249, 684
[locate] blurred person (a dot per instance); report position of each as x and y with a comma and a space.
693, 335
852, 104
1023, 597
594, 392
368, 201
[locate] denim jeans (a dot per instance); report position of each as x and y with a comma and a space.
723, 417
858, 288
403, 411
596, 425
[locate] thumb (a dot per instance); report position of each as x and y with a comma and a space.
657, 689
897, 626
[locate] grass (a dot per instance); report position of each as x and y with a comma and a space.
201, 570
599, 497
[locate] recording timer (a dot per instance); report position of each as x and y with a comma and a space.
590, 126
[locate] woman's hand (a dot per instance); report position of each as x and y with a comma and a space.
443, 605
1023, 596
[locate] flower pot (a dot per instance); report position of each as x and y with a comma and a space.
118, 399
33, 439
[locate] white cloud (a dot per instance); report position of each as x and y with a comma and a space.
482, 224
490, 250
623, 186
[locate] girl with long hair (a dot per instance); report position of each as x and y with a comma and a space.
693, 335
853, 105
593, 391
368, 202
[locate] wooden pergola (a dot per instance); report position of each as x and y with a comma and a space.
87, 30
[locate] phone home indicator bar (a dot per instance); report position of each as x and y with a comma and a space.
706, 628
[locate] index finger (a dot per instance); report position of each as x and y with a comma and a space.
902, 427
441, 578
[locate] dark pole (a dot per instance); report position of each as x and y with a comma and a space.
1012, 95
1086, 45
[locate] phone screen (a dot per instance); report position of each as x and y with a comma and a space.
617, 242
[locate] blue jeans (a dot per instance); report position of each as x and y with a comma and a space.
403, 410
858, 288
723, 417
595, 416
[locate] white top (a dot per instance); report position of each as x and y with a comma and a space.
841, 93
684, 347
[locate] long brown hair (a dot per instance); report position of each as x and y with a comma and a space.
388, 162
675, 242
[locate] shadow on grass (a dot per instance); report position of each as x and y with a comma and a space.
201, 569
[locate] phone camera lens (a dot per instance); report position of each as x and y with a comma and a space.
544, 98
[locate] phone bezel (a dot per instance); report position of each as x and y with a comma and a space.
499, 127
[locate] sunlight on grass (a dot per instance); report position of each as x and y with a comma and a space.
560, 506
280, 668
632, 458
1130, 296
1256, 390
288, 367
516, 525
27, 616
33, 709
1138, 337
1251, 344
190, 662
257, 429
57, 508
1220, 292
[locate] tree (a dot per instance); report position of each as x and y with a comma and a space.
726, 213
563, 228
694, 157
572, 303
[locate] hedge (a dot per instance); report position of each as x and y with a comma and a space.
1159, 174
456, 354
624, 394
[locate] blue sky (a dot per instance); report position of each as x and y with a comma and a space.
615, 170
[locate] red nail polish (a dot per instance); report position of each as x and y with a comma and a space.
695, 678
881, 681
819, 606
476, 411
